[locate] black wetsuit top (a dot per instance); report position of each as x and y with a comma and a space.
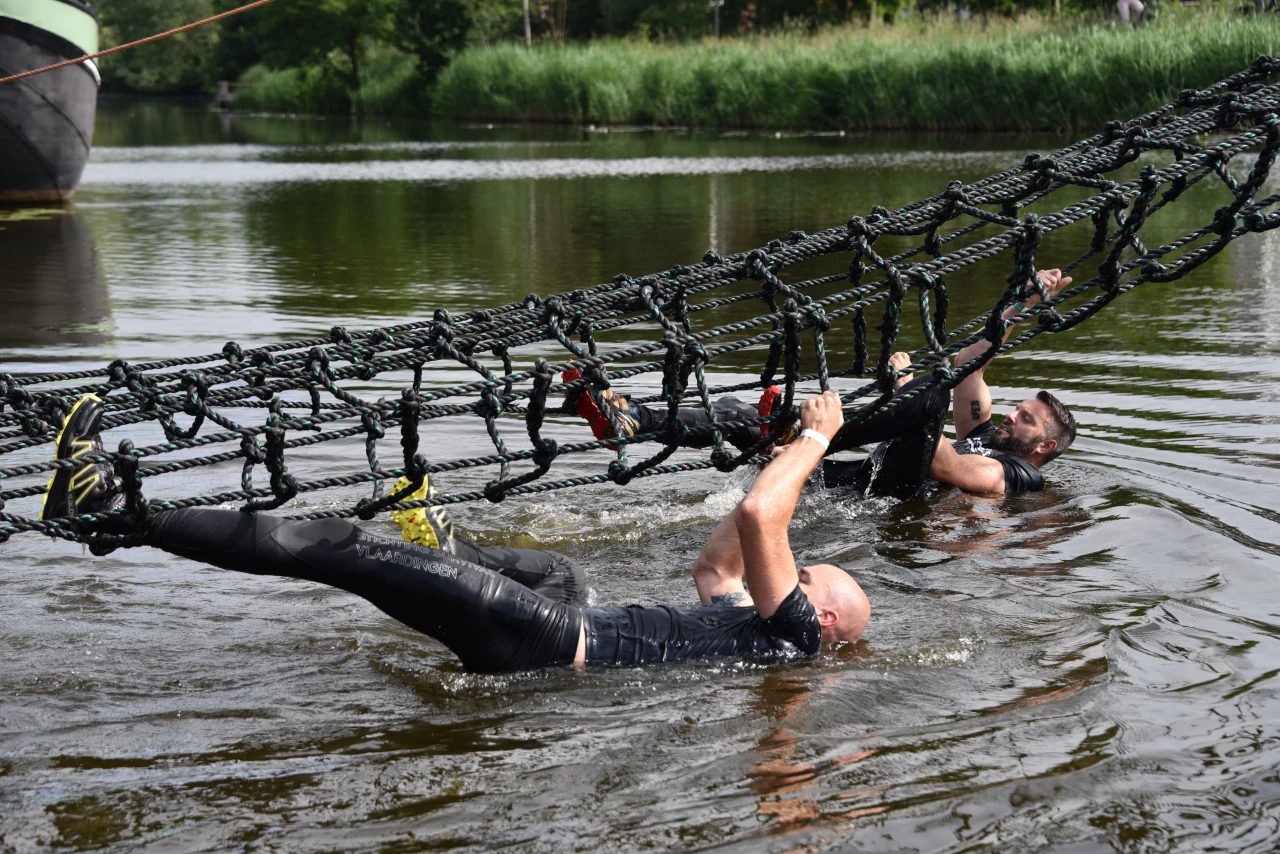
640, 634
1019, 475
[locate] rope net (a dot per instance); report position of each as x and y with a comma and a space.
300, 384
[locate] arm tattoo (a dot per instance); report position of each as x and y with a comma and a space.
975, 410
731, 599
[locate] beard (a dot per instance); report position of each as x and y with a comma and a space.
1004, 441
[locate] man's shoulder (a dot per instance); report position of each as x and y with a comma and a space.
1021, 475
975, 440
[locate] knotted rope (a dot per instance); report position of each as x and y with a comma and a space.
304, 386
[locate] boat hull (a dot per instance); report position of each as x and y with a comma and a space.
46, 121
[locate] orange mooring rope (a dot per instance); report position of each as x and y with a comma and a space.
147, 40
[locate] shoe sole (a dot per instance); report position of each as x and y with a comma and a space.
765, 408
424, 525
79, 481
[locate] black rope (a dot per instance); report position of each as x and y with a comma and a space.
304, 385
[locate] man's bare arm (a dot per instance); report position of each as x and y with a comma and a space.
765, 513
971, 399
719, 569
970, 472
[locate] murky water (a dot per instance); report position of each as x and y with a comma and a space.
1090, 668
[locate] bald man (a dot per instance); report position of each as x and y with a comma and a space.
756, 603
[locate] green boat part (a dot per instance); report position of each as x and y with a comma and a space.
54, 16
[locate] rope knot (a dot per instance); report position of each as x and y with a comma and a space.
119, 370
818, 316
862, 232
757, 265
317, 362
371, 421
933, 243
1224, 221
125, 464
415, 469
1049, 318
490, 405
619, 473
197, 390
712, 258
955, 193
251, 450
722, 460
546, 453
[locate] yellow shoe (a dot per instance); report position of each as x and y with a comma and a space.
426, 526
90, 486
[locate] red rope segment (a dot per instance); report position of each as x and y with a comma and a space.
138, 43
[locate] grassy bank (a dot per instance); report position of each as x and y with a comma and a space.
1026, 75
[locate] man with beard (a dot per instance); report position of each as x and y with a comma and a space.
984, 458
910, 448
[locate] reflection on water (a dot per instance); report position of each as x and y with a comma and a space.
50, 284
1090, 668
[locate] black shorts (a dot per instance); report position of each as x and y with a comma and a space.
906, 438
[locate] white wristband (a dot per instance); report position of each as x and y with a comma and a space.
817, 437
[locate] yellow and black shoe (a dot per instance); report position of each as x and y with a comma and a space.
89, 486
426, 526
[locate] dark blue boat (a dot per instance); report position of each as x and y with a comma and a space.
46, 121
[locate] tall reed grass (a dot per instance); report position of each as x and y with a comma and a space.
1027, 75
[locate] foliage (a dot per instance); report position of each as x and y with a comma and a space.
181, 63
1015, 75
433, 31
334, 32
390, 85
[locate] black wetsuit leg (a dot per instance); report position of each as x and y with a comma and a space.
653, 419
907, 435
549, 573
491, 623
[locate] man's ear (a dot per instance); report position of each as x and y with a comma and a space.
1048, 446
827, 617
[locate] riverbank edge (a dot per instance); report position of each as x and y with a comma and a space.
1050, 81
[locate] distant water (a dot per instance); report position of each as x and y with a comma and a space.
1092, 668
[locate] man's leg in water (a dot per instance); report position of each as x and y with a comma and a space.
492, 623
552, 574
653, 419
907, 436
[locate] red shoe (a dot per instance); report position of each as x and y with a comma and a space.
770, 398
606, 411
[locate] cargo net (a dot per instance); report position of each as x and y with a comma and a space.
299, 384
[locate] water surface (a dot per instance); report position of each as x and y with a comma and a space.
1091, 668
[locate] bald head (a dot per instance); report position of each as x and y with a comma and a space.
843, 609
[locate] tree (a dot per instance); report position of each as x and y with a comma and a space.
432, 30
181, 63
338, 33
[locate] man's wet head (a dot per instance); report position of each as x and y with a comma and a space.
1041, 427
842, 606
